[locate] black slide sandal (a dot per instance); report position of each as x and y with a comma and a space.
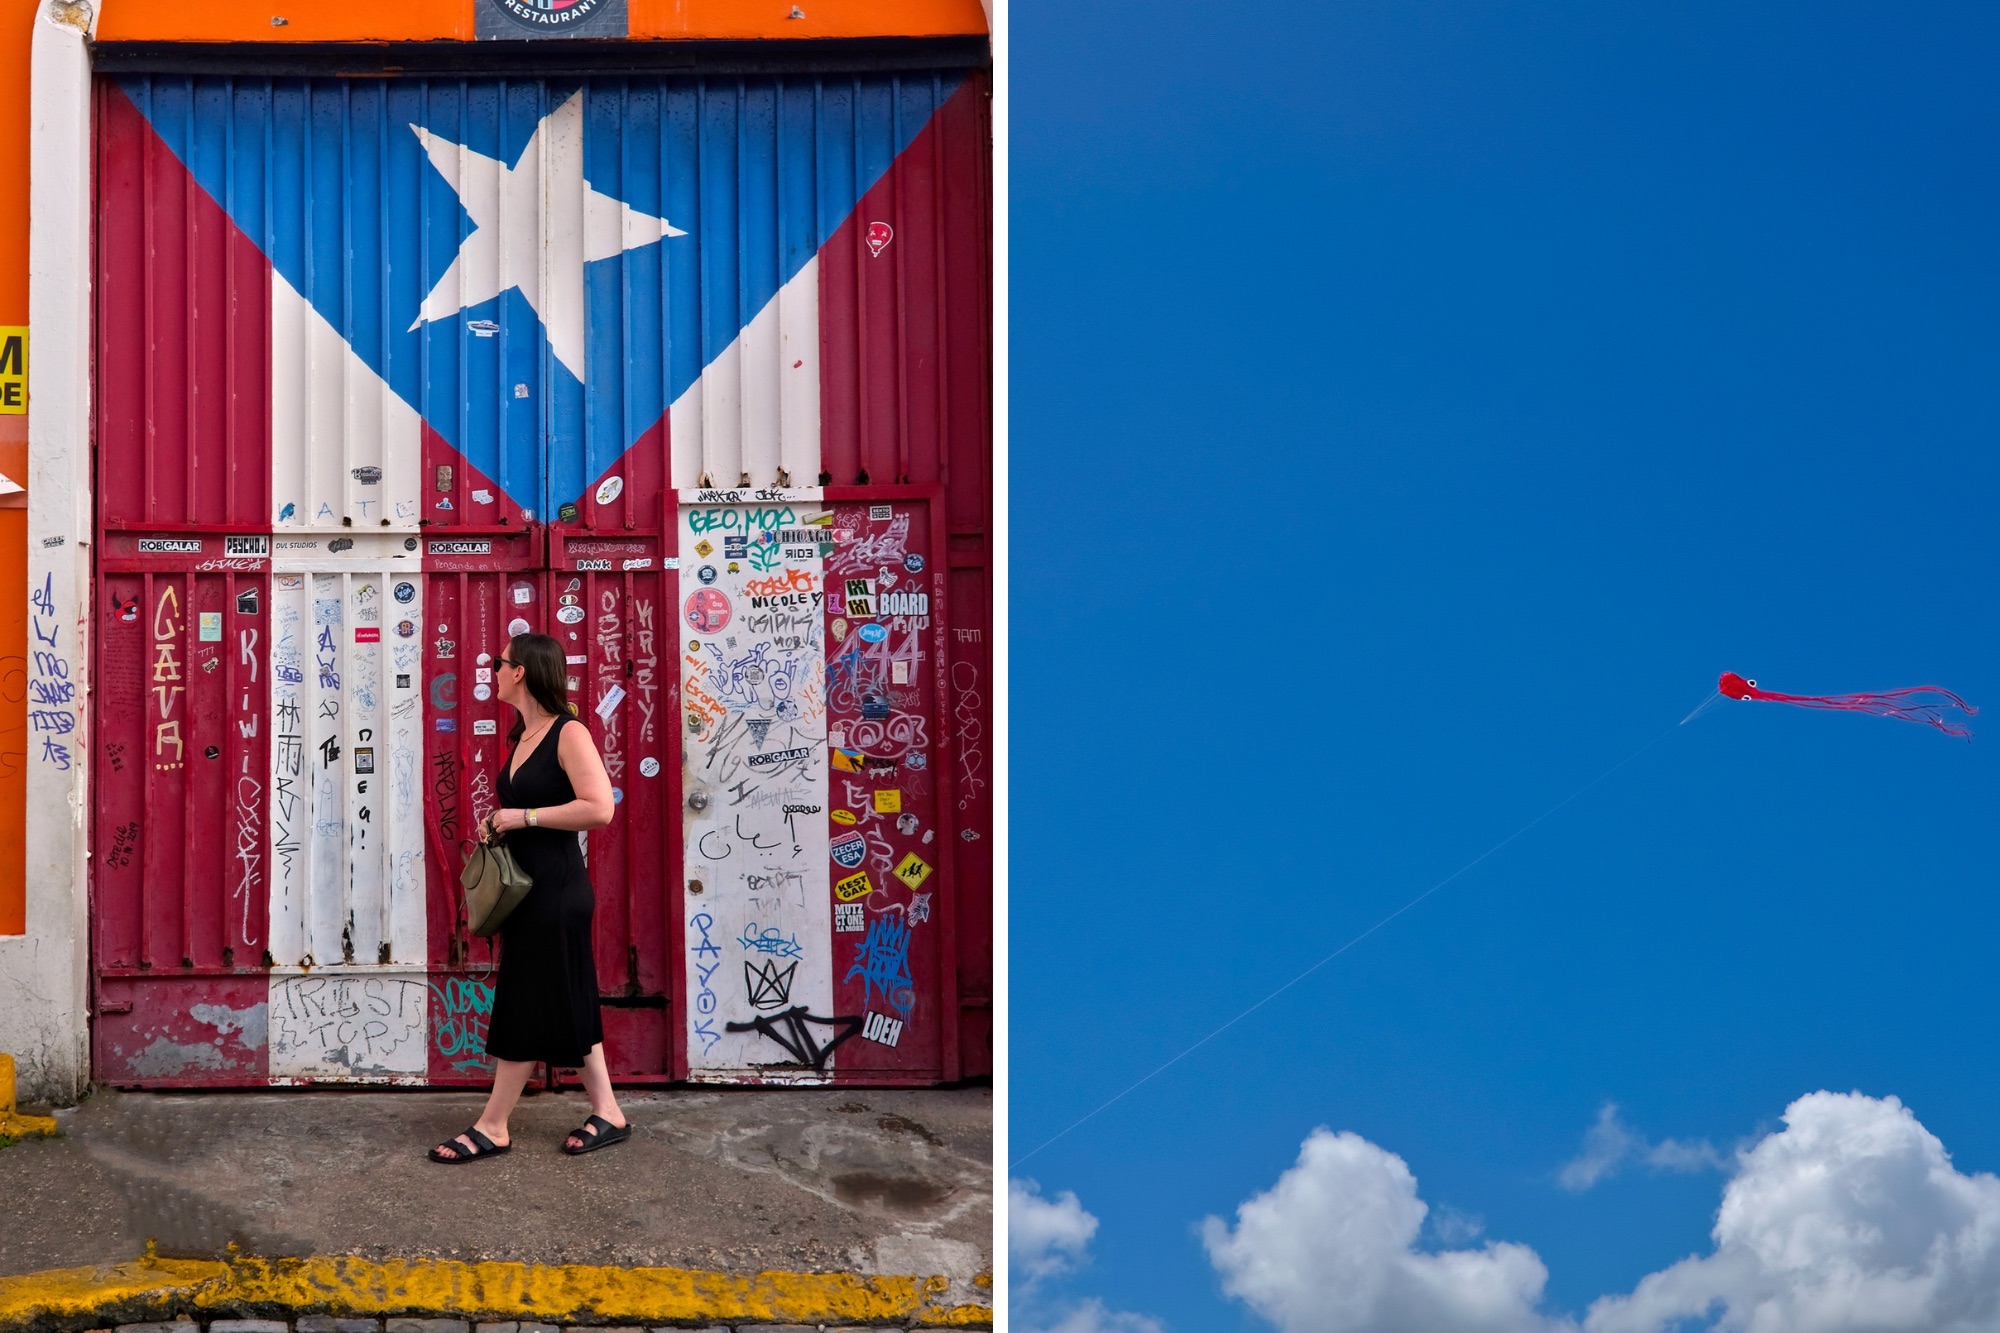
596, 1132
481, 1147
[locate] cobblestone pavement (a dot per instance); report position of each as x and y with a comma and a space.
796, 1180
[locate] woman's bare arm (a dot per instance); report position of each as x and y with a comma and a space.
593, 805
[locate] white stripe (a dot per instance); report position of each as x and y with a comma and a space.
756, 407
326, 404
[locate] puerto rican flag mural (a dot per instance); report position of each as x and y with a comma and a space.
391, 369
533, 284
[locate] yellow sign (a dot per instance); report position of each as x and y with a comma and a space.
854, 886
889, 802
840, 816
913, 870
13, 369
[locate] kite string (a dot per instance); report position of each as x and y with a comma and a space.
1134, 1087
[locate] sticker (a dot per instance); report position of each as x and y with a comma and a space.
446, 648
484, 659
484, 497
706, 611
861, 597
523, 594
873, 633
649, 767
368, 634
850, 918
484, 675
706, 574
777, 757
364, 759
482, 692
880, 513
246, 546
246, 602
734, 568
446, 724
460, 547
169, 546
906, 604
572, 684
914, 563
735, 548
485, 726
367, 476
879, 236
888, 578
617, 796
704, 548
899, 673
839, 628
643, 562
889, 802
609, 703
848, 761
906, 824
880, 1028
930, 836
842, 816
837, 738
758, 727
566, 513
482, 328
211, 627
882, 769
444, 502
594, 566
913, 870
874, 706
609, 489
517, 627
444, 478
848, 850
917, 759
919, 908
969, 835
570, 615
406, 592
576, 659
402, 682
853, 887
520, 391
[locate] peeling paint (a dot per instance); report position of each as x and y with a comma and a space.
249, 1020
170, 1059
544, 1293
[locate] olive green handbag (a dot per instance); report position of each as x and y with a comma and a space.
494, 884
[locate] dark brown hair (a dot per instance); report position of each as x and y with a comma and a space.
547, 680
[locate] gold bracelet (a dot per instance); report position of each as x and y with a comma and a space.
531, 817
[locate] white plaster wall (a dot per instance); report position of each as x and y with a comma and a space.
44, 974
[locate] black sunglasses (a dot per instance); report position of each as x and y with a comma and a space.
504, 662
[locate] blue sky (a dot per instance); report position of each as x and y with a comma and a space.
1415, 406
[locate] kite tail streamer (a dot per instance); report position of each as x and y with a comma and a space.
1931, 705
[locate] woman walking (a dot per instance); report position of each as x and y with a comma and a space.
545, 999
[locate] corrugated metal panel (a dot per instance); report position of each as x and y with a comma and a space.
318, 380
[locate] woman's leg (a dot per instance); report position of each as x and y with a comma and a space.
509, 1077
597, 1085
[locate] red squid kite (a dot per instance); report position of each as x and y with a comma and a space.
1927, 704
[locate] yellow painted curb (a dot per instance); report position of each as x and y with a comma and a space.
12, 1125
544, 1292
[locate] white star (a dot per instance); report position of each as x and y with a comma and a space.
506, 203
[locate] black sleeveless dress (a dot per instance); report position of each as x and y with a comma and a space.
545, 998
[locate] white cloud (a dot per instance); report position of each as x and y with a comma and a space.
1331, 1248
1610, 1143
1048, 1237
1045, 1236
1850, 1218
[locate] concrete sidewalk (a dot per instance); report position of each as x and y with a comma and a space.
734, 1182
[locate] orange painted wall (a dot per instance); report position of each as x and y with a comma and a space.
446, 20
17, 19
